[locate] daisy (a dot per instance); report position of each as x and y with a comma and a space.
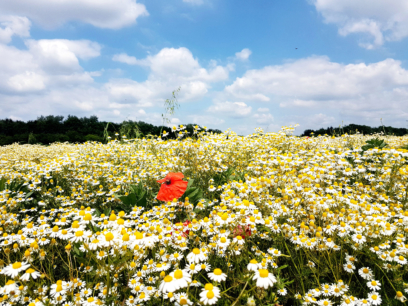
366, 273
181, 278
168, 284
401, 260
264, 278
12, 270
253, 265
223, 242
282, 291
238, 240
399, 296
195, 283
193, 268
58, 289
374, 298
217, 275
143, 297
91, 301
182, 299
374, 285
196, 256
209, 295
30, 272
325, 302
205, 266
358, 238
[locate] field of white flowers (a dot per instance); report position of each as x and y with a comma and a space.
266, 219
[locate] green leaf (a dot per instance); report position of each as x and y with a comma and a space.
190, 182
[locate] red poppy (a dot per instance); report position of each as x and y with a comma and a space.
173, 187
242, 231
185, 225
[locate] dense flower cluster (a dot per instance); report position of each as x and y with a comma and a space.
313, 220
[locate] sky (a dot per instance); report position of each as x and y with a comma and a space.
239, 64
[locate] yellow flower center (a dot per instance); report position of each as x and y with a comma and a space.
196, 251
88, 217
210, 294
365, 270
178, 274
79, 233
208, 286
168, 279
109, 236
217, 272
263, 273
29, 271
183, 301
223, 239
17, 265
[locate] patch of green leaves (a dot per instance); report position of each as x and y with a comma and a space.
136, 197
193, 193
374, 143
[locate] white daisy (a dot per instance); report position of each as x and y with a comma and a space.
264, 278
217, 275
12, 270
209, 295
30, 273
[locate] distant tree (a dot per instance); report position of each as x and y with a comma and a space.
32, 139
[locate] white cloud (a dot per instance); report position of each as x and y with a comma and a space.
263, 110
13, 25
263, 118
27, 81
318, 79
47, 78
205, 120
381, 20
231, 109
243, 55
108, 14
320, 120
170, 68
124, 58
360, 91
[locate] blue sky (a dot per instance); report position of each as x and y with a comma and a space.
235, 61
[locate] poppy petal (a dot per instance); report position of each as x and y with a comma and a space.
171, 191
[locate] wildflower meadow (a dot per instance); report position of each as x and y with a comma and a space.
208, 219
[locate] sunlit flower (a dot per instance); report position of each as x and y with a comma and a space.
14, 269
217, 275
264, 278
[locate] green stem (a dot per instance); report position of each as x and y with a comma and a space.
301, 282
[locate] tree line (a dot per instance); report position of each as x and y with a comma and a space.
49, 129
354, 128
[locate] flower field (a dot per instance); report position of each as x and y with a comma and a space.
265, 219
